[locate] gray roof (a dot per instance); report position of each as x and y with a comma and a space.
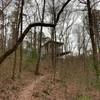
55, 42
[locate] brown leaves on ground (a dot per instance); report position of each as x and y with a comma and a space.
9, 88
44, 88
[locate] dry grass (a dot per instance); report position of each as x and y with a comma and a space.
8, 87
73, 80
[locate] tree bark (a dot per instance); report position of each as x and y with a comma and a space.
7, 53
10, 51
92, 36
21, 45
39, 51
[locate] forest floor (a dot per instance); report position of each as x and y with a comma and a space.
43, 89
71, 82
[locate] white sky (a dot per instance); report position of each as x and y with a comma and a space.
45, 30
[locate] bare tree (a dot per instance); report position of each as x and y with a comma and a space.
92, 36
40, 39
15, 34
20, 39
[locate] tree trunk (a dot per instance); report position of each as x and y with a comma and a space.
14, 67
21, 45
92, 36
39, 51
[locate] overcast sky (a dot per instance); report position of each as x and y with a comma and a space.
29, 11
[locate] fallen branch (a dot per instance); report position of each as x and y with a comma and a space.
63, 53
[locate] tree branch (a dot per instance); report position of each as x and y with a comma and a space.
95, 3
61, 10
7, 53
83, 2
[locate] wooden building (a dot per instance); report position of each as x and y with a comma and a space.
47, 47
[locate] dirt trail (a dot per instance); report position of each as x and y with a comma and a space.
26, 93
38, 90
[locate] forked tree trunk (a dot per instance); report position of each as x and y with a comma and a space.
20, 39
39, 51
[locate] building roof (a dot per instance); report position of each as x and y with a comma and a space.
55, 42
